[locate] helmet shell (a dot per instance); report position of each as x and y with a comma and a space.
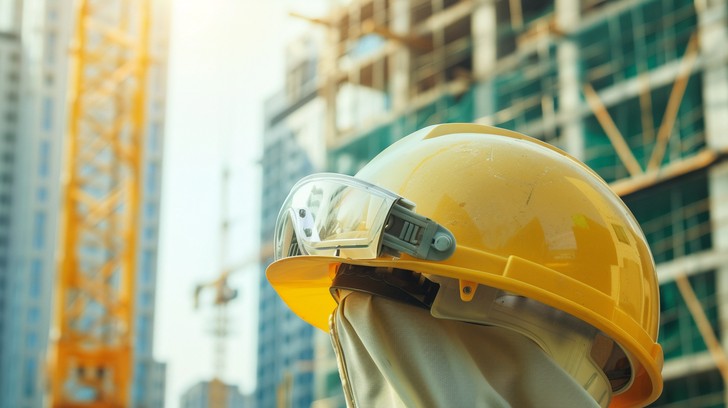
529, 219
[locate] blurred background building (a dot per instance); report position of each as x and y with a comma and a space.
34, 43
293, 146
32, 121
200, 396
637, 89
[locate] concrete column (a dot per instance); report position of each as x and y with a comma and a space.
567, 16
400, 67
485, 44
713, 37
713, 51
400, 59
328, 74
718, 188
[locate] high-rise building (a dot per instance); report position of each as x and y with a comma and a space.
148, 386
38, 86
200, 396
9, 108
34, 42
292, 148
636, 89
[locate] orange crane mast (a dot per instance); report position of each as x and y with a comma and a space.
90, 356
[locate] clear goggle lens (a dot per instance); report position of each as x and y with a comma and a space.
336, 215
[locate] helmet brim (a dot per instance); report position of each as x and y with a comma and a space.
303, 283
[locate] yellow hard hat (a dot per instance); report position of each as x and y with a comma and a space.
526, 218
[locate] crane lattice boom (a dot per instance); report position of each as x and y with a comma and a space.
91, 353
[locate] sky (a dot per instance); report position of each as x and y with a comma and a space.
226, 57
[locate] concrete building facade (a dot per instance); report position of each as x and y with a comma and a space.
39, 88
9, 112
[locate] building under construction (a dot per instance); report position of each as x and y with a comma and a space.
637, 89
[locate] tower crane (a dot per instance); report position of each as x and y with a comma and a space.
90, 352
223, 295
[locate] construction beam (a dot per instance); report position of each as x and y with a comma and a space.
312, 20
370, 27
648, 122
673, 103
411, 41
706, 330
675, 169
516, 14
615, 136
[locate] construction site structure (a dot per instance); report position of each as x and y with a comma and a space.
217, 390
637, 89
217, 393
99, 352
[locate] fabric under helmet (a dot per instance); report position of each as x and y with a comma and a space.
526, 218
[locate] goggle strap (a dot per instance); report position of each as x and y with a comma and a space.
408, 232
396, 284
293, 249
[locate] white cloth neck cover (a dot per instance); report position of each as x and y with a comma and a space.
566, 339
392, 354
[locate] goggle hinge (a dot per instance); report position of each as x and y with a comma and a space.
408, 232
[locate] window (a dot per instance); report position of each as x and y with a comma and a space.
150, 209
44, 154
143, 334
679, 335
29, 376
688, 134
33, 315
39, 225
637, 39
149, 233
154, 133
152, 176
675, 217
47, 114
147, 266
146, 300
42, 194
528, 92
50, 48
36, 276
698, 390
31, 340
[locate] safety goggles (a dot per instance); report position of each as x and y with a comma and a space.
336, 215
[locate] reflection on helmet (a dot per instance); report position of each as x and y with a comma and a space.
528, 220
